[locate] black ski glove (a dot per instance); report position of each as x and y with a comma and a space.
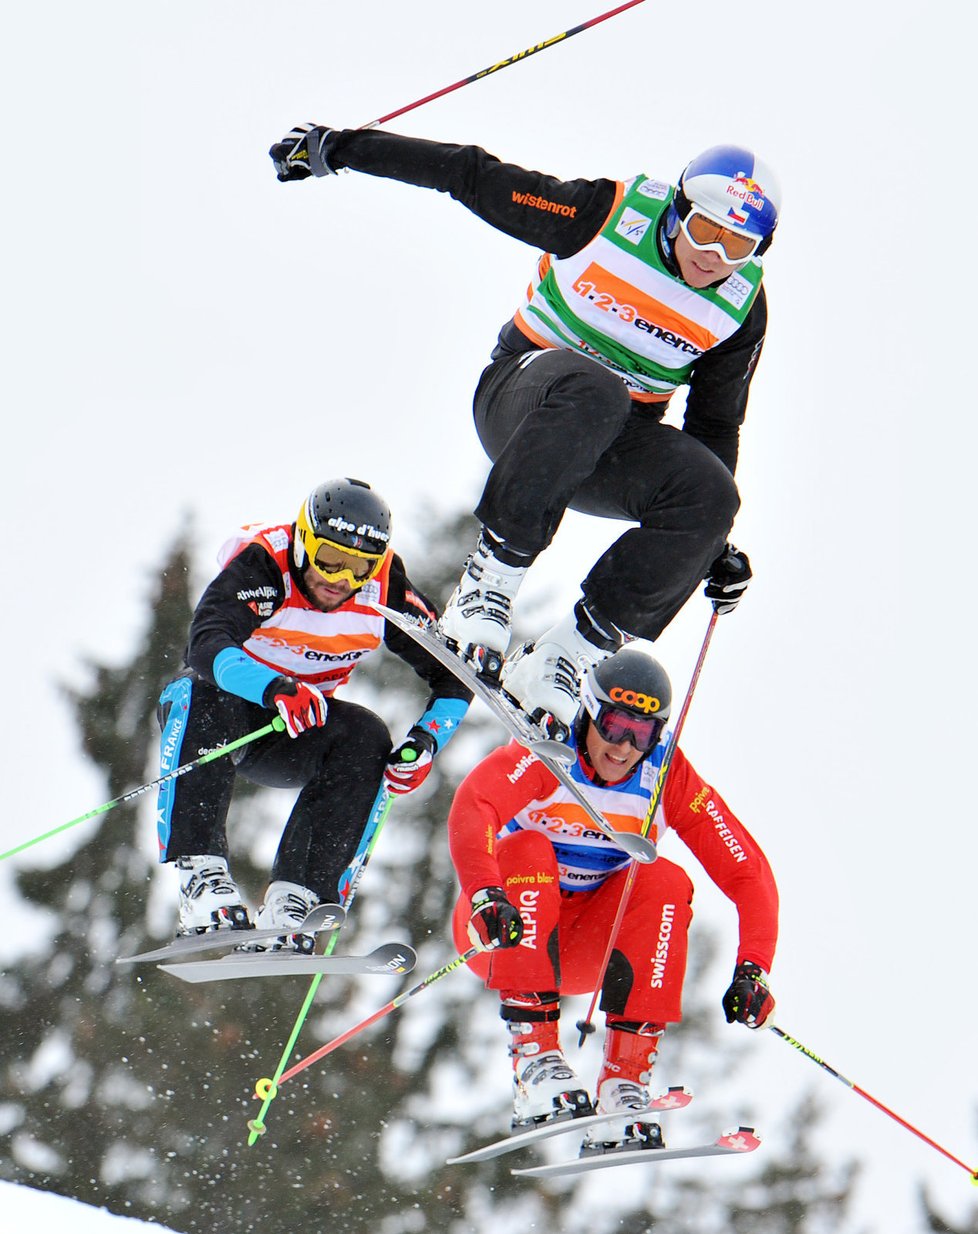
302, 153
748, 999
727, 580
494, 921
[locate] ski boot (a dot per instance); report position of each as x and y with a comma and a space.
544, 677
629, 1054
477, 619
286, 905
545, 1086
209, 897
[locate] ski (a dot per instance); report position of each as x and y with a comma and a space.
739, 1140
322, 917
388, 960
553, 754
674, 1098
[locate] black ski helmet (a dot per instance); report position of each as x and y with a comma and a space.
345, 512
637, 688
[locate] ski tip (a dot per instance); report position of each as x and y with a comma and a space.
393, 958
739, 1140
639, 848
557, 751
676, 1097
324, 917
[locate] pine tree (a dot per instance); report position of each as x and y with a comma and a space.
937, 1223
127, 1089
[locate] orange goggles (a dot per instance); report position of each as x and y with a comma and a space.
705, 233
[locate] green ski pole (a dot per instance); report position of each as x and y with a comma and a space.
277, 725
266, 1090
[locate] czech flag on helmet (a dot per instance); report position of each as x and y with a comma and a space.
735, 188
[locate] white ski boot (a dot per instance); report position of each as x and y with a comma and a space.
544, 676
545, 1086
286, 905
479, 615
209, 897
631, 1130
629, 1055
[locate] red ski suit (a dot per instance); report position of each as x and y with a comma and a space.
513, 825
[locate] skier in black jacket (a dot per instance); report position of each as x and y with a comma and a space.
280, 629
643, 287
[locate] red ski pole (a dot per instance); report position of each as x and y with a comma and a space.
803, 1049
586, 1025
266, 1090
504, 64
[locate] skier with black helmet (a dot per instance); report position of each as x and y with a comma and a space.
280, 629
643, 288
540, 889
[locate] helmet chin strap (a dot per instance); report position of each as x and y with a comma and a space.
298, 548
580, 738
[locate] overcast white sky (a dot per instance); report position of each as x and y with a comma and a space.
184, 335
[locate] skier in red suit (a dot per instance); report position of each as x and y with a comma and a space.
541, 885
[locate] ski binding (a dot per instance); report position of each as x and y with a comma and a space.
321, 918
738, 1140
675, 1098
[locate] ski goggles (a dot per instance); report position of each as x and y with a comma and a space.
338, 564
616, 726
708, 235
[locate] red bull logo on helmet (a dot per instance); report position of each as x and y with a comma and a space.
750, 185
746, 190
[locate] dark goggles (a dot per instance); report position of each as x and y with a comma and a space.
616, 726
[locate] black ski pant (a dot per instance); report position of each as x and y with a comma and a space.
337, 770
563, 432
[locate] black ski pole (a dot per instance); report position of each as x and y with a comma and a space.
277, 725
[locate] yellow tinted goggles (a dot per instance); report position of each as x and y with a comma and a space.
336, 563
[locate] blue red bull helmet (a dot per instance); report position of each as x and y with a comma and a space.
734, 189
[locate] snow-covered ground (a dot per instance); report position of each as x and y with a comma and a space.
24, 1208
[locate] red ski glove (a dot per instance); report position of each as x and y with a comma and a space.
494, 921
748, 999
408, 766
299, 704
